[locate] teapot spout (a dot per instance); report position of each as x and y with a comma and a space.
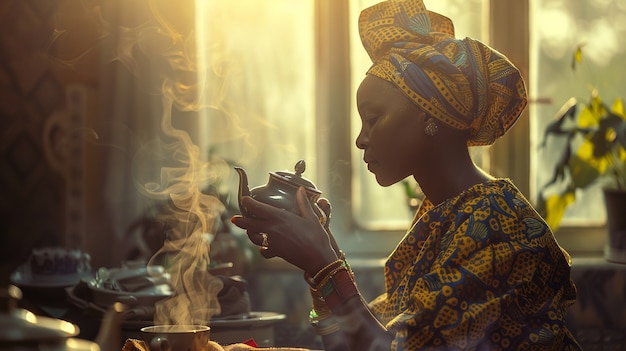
243, 188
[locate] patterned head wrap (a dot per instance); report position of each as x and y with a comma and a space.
463, 83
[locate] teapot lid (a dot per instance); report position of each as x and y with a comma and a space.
297, 178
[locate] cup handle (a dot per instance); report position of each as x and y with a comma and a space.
160, 343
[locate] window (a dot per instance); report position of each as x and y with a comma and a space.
283, 77
558, 27
257, 61
368, 196
366, 218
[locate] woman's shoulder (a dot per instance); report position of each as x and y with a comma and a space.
497, 206
497, 193
504, 212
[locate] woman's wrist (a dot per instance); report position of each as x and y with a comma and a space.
319, 308
339, 287
324, 326
315, 276
321, 262
332, 285
322, 320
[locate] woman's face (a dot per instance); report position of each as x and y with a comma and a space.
392, 131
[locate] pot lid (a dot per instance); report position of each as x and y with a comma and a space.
296, 178
26, 326
18, 325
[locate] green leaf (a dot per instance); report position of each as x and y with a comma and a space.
578, 56
618, 108
555, 208
618, 121
592, 113
584, 171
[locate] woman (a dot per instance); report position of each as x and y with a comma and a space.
479, 269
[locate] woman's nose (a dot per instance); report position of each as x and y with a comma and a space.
362, 140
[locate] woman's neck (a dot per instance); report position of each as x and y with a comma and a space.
444, 180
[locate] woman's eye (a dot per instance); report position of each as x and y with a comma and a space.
372, 119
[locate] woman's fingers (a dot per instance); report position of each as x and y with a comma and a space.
258, 239
267, 252
299, 239
324, 205
309, 210
258, 209
306, 210
247, 223
261, 240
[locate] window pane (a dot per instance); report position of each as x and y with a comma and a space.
558, 27
259, 68
387, 208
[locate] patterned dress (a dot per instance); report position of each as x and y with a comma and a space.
480, 271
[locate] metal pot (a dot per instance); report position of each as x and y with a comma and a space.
280, 190
22, 330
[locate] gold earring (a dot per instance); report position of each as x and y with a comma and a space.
431, 128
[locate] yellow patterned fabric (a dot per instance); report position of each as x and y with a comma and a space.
463, 83
480, 271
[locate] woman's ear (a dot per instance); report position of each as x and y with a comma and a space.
438, 130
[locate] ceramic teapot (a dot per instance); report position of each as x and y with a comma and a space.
280, 190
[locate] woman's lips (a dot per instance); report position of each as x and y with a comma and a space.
370, 165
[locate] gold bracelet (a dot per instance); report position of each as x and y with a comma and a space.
319, 305
324, 271
339, 288
327, 277
321, 331
321, 290
332, 267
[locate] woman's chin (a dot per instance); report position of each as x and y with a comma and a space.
384, 182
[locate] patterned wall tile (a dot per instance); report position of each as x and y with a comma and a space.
31, 204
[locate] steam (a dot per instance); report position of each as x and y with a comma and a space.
165, 39
193, 217
195, 74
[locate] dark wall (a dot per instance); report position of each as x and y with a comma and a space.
31, 192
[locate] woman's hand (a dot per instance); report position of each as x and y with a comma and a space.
325, 208
301, 240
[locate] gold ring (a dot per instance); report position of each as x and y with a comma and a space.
265, 243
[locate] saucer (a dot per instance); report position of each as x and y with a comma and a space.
254, 319
21, 277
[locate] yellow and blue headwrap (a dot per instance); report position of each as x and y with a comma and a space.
463, 83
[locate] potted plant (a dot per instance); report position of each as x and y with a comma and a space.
594, 153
